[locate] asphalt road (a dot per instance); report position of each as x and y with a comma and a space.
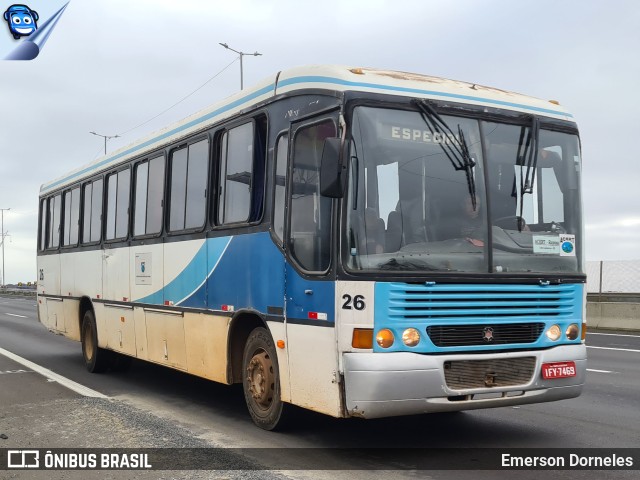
606, 415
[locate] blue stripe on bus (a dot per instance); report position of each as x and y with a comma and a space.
193, 275
248, 272
339, 81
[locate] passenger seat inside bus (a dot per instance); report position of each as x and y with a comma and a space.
374, 232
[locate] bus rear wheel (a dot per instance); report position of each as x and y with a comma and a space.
261, 381
96, 359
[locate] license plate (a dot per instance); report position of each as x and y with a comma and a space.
558, 370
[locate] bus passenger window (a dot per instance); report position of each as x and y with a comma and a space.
71, 217
43, 224
236, 175
310, 236
280, 185
55, 204
189, 166
92, 212
140, 199
118, 205
148, 197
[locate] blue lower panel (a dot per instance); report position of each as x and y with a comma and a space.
248, 272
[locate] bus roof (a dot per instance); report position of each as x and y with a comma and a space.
328, 77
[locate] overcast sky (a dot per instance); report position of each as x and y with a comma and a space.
112, 64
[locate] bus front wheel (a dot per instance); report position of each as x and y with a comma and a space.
261, 380
95, 359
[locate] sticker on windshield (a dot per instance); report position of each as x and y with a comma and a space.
546, 244
567, 245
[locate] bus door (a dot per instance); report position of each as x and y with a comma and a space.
309, 289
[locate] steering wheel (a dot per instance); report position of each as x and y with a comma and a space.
511, 222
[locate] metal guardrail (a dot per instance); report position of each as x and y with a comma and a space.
612, 297
24, 291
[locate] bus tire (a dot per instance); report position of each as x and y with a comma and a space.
96, 359
261, 381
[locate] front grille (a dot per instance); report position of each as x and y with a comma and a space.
473, 301
503, 372
476, 317
469, 335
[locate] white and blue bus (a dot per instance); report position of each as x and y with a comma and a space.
358, 242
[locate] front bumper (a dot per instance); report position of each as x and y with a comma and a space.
403, 383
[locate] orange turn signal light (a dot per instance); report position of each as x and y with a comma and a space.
280, 343
584, 331
385, 338
362, 338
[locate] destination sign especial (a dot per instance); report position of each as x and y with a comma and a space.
417, 135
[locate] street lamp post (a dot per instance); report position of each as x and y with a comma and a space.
106, 137
242, 54
3, 235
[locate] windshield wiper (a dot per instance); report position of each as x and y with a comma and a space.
394, 264
456, 151
527, 152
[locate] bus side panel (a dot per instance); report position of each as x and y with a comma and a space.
147, 283
247, 273
184, 271
164, 274
278, 331
71, 308
206, 346
120, 328
82, 277
115, 274
312, 344
140, 328
165, 338
118, 320
314, 369
177, 268
49, 268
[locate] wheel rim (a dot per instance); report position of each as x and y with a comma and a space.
88, 343
261, 380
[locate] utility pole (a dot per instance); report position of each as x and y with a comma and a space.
106, 137
4, 236
242, 54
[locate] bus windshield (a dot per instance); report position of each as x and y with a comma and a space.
416, 203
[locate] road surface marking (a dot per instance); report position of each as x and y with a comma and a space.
53, 376
15, 315
614, 334
599, 371
618, 349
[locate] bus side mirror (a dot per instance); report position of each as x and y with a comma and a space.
331, 169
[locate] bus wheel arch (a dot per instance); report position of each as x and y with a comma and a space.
85, 305
253, 361
242, 324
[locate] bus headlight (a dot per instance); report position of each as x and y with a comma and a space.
410, 337
553, 333
572, 331
385, 338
